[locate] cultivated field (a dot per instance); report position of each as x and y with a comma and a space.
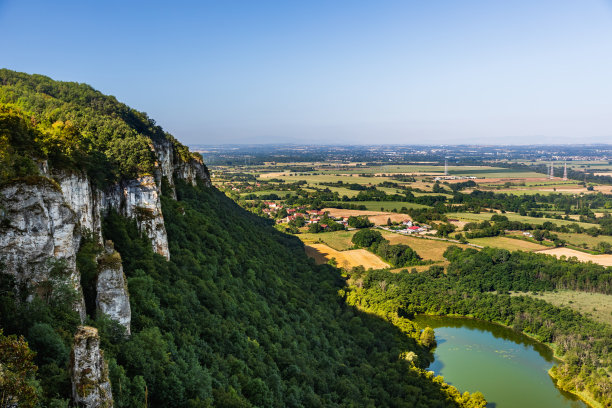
338, 240
321, 253
579, 239
510, 244
596, 305
376, 217
605, 260
428, 249
515, 217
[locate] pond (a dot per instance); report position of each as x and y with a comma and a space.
509, 368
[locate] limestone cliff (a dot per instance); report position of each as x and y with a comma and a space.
42, 219
39, 237
89, 372
112, 296
84, 200
140, 199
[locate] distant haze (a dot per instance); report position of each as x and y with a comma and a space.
474, 71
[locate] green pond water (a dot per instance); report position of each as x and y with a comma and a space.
509, 368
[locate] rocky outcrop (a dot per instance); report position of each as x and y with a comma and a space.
112, 296
80, 195
39, 237
139, 199
192, 171
170, 165
89, 372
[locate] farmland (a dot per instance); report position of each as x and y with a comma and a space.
391, 193
510, 244
321, 253
605, 260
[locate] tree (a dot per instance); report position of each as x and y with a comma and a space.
428, 337
314, 228
604, 247
538, 235
17, 369
444, 229
365, 238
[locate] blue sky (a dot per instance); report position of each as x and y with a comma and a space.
339, 71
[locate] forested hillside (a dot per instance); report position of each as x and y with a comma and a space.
74, 127
237, 316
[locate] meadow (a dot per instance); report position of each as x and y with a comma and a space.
596, 305
510, 244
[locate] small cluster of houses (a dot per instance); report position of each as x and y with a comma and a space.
440, 178
310, 216
407, 227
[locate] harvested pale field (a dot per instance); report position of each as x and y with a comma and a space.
605, 260
510, 244
428, 249
321, 253
595, 305
376, 217
274, 175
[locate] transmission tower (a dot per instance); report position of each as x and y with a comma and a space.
552, 172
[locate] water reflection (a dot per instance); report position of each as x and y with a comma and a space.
508, 367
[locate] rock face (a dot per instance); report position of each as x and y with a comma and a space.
43, 218
112, 297
36, 227
170, 166
140, 199
80, 195
89, 372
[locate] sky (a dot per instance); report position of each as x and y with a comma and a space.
335, 71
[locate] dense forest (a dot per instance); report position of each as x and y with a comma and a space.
476, 285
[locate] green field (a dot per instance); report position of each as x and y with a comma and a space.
385, 205
510, 244
595, 305
516, 217
579, 239
328, 178
338, 240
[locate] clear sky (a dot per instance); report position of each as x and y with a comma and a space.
333, 71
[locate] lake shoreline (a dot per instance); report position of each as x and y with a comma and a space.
584, 396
